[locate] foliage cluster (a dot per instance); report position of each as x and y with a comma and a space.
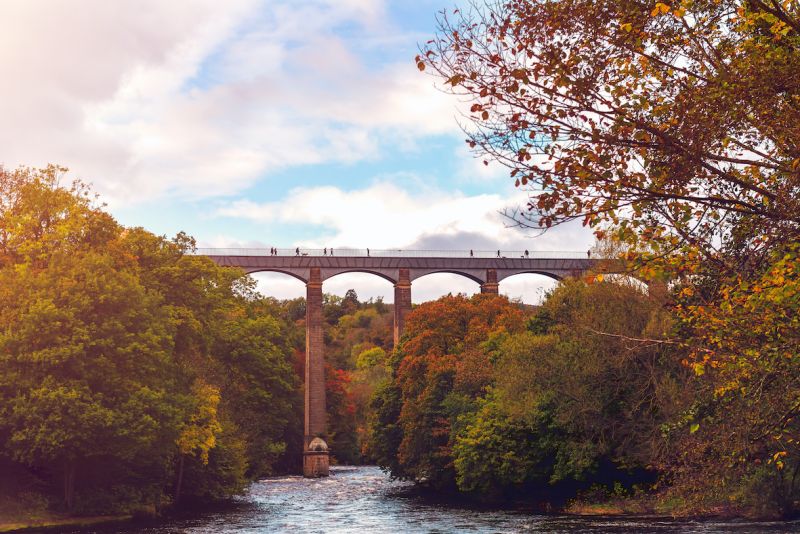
357, 336
131, 371
490, 399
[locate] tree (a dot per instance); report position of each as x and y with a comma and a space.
746, 407
350, 301
38, 216
438, 373
230, 338
670, 122
85, 361
359, 328
594, 366
199, 434
489, 400
494, 451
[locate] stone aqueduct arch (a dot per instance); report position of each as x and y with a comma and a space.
401, 269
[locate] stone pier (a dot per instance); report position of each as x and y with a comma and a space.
491, 285
402, 303
315, 463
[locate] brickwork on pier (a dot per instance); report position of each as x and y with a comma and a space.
315, 411
491, 285
402, 303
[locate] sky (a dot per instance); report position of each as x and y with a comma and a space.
261, 123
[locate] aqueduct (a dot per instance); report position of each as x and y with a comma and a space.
401, 268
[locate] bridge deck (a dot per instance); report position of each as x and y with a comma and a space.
480, 266
391, 253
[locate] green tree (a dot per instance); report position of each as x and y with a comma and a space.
86, 364
260, 389
602, 372
229, 336
494, 451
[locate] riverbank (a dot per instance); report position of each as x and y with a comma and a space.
53, 521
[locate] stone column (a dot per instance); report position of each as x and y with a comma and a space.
490, 285
315, 380
402, 303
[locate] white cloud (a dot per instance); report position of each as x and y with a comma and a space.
65, 57
472, 169
202, 98
529, 288
381, 216
384, 215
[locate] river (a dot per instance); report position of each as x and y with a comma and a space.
364, 500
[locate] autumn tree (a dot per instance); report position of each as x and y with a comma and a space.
492, 400
744, 354
440, 370
672, 127
678, 119
84, 347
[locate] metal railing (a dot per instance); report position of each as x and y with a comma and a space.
394, 253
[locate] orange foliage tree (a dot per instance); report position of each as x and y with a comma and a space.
439, 371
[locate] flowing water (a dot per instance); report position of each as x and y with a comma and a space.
364, 500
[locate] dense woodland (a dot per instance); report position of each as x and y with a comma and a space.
132, 372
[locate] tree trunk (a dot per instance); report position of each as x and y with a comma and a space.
69, 484
180, 479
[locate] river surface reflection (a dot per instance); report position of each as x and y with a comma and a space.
365, 500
